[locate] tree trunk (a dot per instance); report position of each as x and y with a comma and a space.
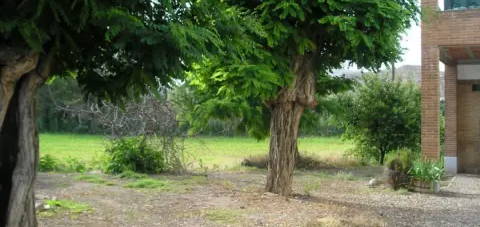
382, 156
18, 139
286, 112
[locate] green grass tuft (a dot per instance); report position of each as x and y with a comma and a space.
65, 207
95, 179
223, 216
149, 184
132, 175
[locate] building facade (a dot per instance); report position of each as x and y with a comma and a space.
452, 35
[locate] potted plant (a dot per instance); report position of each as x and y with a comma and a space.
425, 175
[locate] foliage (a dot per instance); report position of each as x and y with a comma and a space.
427, 170
75, 165
54, 99
120, 48
399, 163
134, 154
48, 163
327, 33
401, 160
381, 116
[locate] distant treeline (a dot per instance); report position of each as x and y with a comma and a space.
61, 108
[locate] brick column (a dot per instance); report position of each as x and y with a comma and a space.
451, 119
430, 100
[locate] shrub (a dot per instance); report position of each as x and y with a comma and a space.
381, 116
48, 163
134, 154
399, 164
427, 170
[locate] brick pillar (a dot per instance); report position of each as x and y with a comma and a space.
451, 118
430, 100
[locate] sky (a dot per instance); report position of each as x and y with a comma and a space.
412, 43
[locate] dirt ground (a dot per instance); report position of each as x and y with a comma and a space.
323, 198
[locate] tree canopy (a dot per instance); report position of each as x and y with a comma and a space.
113, 48
116, 48
365, 33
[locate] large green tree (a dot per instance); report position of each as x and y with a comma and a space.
113, 48
288, 66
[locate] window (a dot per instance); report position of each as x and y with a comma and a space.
461, 4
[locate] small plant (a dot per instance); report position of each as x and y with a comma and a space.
48, 163
310, 186
399, 164
426, 170
134, 154
75, 165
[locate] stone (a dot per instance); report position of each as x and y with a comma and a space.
373, 183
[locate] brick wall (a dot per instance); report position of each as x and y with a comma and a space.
442, 29
468, 127
451, 110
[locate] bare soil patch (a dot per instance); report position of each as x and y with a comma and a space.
324, 198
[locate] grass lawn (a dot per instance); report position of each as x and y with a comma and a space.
220, 152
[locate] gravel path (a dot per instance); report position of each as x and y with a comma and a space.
458, 204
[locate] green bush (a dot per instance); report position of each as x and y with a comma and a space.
427, 170
381, 116
134, 154
48, 163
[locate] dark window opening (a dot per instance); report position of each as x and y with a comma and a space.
476, 87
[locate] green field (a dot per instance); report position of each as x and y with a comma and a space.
221, 152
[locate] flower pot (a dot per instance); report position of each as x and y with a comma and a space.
435, 186
424, 186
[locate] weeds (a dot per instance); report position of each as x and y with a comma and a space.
65, 207
48, 163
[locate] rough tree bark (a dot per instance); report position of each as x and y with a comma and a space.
286, 111
21, 74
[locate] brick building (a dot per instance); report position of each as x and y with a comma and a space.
452, 35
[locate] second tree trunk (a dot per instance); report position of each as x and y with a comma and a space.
286, 112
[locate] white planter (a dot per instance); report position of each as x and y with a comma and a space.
435, 186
